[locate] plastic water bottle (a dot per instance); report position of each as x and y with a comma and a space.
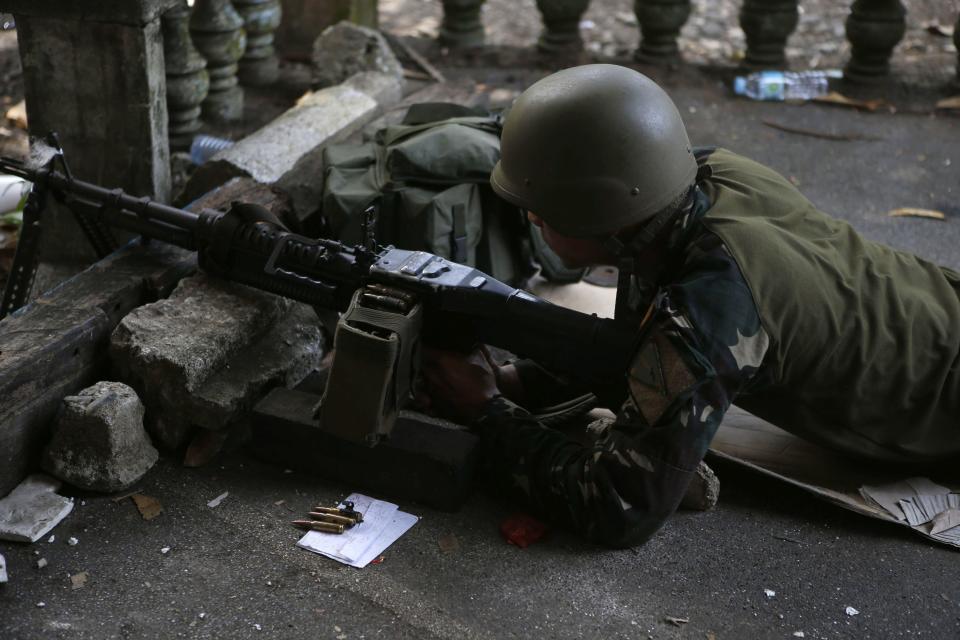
205, 147
784, 85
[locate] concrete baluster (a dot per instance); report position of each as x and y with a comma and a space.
767, 25
462, 27
187, 78
874, 27
956, 44
561, 21
660, 23
218, 33
259, 65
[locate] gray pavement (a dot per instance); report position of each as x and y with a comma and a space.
237, 563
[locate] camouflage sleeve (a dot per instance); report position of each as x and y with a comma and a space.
543, 388
703, 344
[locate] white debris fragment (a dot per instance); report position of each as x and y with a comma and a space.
41, 605
216, 501
257, 627
165, 550
51, 539
202, 615
41, 563
770, 593
850, 611
799, 634
72, 541
587, 24
3, 570
32, 509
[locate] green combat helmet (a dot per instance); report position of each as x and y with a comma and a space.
593, 150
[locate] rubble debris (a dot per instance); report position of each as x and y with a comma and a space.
17, 115
448, 543
3, 569
165, 550
72, 541
213, 504
345, 48
148, 506
850, 611
703, 491
770, 593
32, 509
41, 563
99, 443
933, 214
79, 580
823, 135
799, 634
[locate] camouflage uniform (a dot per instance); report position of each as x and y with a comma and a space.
705, 346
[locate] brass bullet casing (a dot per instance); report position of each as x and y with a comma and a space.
326, 527
330, 517
356, 516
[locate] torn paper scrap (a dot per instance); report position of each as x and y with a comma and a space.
888, 496
923, 509
33, 509
213, 504
945, 520
382, 525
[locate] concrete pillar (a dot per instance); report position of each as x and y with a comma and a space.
93, 72
303, 20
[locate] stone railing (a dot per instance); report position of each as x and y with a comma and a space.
210, 50
873, 27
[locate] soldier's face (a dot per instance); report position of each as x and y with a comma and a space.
575, 252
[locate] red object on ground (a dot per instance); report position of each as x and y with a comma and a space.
522, 530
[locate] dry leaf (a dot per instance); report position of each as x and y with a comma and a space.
917, 213
17, 114
448, 543
677, 622
949, 103
843, 101
148, 507
79, 580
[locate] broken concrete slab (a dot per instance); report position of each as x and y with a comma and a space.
99, 442
204, 356
320, 117
191, 334
283, 356
345, 48
33, 509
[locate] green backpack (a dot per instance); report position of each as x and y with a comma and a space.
429, 177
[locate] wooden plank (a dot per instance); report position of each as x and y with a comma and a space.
57, 345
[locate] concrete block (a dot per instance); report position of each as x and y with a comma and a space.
346, 48
99, 443
282, 152
32, 509
101, 85
426, 460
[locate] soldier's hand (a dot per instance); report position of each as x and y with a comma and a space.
458, 385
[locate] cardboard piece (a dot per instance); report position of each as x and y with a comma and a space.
868, 489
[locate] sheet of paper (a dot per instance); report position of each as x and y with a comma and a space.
945, 521
889, 496
382, 524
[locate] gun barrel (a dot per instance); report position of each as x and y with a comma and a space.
112, 198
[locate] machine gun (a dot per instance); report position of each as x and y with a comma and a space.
388, 297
